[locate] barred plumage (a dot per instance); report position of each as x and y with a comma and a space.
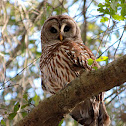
61, 66
63, 58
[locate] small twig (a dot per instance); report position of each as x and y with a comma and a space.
114, 92
2, 88
111, 45
119, 43
117, 93
21, 71
102, 38
17, 48
62, 6
90, 4
78, 8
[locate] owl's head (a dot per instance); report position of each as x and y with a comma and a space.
58, 29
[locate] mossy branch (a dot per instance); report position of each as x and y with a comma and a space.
50, 111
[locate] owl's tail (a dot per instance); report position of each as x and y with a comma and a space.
91, 112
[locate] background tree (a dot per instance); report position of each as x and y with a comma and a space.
103, 31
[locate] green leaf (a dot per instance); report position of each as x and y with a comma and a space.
38, 53
100, 9
16, 107
90, 61
100, 5
12, 115
29, 101
95, 67
123, 11
32, 41
75, 122
107, 11
36, 99
61, 122
25, 96
23, 106
3, 123
118, 17
102, 58
122, 1
104, 19
5, 112
24, 114
107, 1
112, 12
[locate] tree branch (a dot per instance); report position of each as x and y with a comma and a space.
21, 44
50, 111
85, 23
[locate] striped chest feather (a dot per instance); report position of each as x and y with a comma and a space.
61, 64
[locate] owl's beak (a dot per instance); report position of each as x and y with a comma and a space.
60, 37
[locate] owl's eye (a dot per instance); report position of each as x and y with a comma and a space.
67, 28
53, 30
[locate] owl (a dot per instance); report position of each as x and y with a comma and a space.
64, 57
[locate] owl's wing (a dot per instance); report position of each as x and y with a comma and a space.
79, 54
91, 112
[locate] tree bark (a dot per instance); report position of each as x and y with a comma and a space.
50, 111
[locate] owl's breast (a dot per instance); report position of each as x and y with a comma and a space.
57, 71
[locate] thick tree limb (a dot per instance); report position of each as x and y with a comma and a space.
50, 111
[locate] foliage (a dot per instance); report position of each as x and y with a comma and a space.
20, 50
111, 8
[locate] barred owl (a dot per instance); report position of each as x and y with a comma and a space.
63, 57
